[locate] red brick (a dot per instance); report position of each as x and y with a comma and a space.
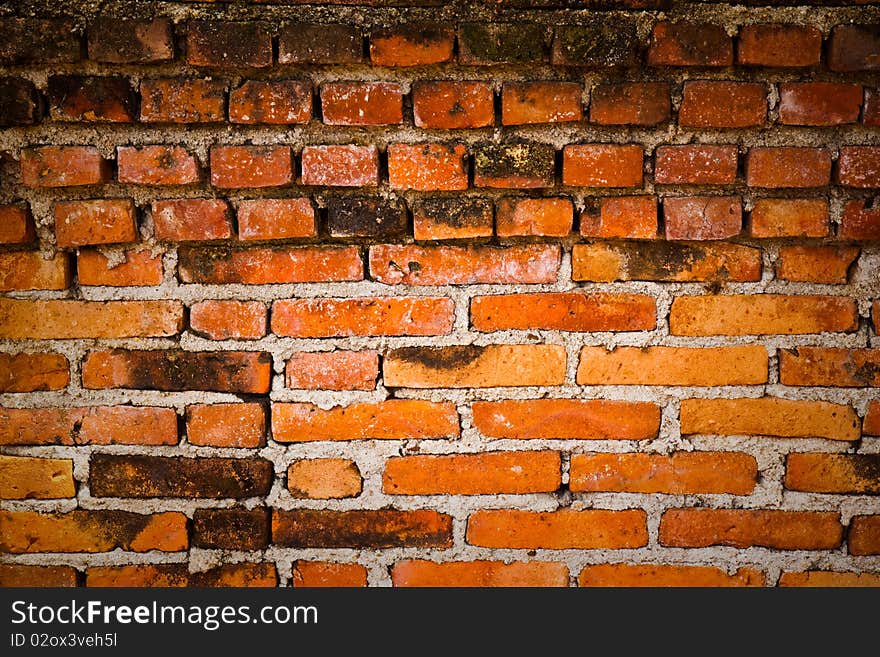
223, 44
488, 473
25, 477
541, 102
673, 366
567, 419
226, 425
329, 317
80, 223
859, 166
480, 574
451, 219
521, 165
830, 366
558, 530
780, 45
119, 41
451, 105
192, 219
91, 531
321, 574
63, 166
157, 165
224, 371
742, 528
871, 108
470, 366
225, 320
656, 575
333, 370
138, 268
603, 165
788, 167
464, 265
498, 42
622, 216
819, 103
324, 479
828, 579
276, 219
361, 103
721, 104
630, 103
34, 40
16, 226
14, 575
547, 217
414, 44
428, 167
604, 42
100, 425
780, 217
19, 102
696, 165
684, 43
178, 575
859, 222
251, 166
370, 529
816, 264
845, 474
231, 529
680, 473
276, 102
563, 311
702, 217
261, 266
345, 165
394, 419
29, 270
32, 372
88, 99
864, 535
854, 48
324, 43
179, 100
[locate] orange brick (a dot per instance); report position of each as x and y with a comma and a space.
479, 574
178, 100
32, 372
769, 416
558, 530
788, 167
546, 217
452, 105
858, 221
656, 575
864, 535
541, 102
362, 103
567, 419
777, 217
345, 165
413, 44
665, 261
260, 266
630, 103
25, 477
491, 473
743, 314
276, 219
702, 217
313, 574
324, 479
817, 264
14, 575
563, 311
829, 579
779, 45
251, 166
700, 164
847, 474
829, 366
333, 370
872, 418
63, 166
64, 319
681, 473
464, 265
192, 219
673, 366
16, 226
178, 575
603, 165
91, 531
225, 320
622, 216
427, 167
451, 219
80, 223
139, 268
742, 528
470, 366
326, 317
394, 419
274, 102
226, 425
29, 270
722, 104
157, 165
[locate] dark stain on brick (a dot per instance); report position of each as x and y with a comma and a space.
121, 528
865, 374
228, 44
212, 371
361, 217
526, 160
496, 43
457, 213
236, 574
231, 529
866, 471
206, 265
605, 41
311, 43
19, 102
439, 358
130, 41
28, 40
423, 34
83, 98
373, 529
662, 260
700, 44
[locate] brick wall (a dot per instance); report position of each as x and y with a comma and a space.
486, 293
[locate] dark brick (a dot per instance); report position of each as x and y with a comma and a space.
82, 98
115, 41
231, 529
690, 44
309, 43
224, 44
502, 43
520, 165
19, 102
854, 48
361, 217
603, 42
27, 41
